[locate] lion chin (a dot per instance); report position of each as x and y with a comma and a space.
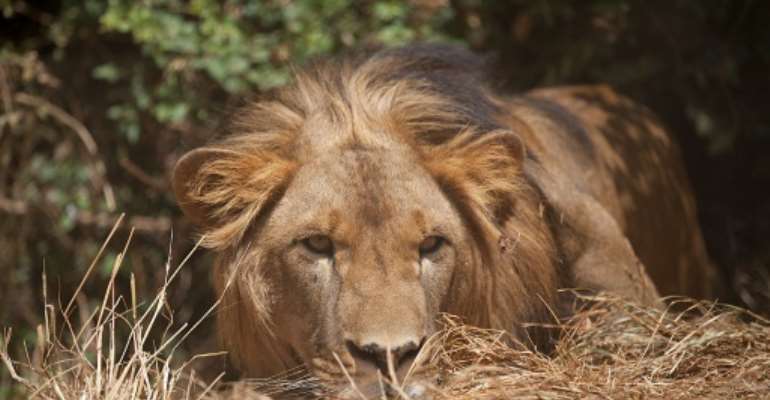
351, 208
375, 383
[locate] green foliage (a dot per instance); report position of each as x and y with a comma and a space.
238, 46
168, 64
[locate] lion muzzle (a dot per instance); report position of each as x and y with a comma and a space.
385, 357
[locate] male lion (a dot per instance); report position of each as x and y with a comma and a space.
351, 207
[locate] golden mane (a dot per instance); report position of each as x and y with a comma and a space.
390, 99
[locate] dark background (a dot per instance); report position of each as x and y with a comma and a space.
98, 99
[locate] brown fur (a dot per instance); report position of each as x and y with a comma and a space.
520, 186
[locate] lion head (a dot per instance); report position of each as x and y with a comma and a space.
352, 207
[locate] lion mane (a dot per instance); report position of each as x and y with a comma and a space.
432, 102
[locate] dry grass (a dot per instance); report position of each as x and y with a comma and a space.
612, 349
617, 350
110, 352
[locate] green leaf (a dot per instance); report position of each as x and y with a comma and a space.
107, 72
389, 10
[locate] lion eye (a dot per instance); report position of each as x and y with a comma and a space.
318, 244
430, 245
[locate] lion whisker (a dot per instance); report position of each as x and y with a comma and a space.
348, 377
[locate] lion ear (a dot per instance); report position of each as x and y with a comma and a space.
185, 173
223, 190
483, 168
593, 246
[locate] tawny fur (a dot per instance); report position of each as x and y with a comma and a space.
407, 103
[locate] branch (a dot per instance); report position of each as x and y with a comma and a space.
82, 132
6, 358
134, 170
10, 206
141, 223
62, 116
138, 222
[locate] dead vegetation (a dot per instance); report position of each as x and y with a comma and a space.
616, 349
609, 350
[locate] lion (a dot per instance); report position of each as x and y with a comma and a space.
353, 206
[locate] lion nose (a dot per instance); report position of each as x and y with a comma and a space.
377, 354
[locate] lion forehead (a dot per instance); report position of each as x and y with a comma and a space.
368, 187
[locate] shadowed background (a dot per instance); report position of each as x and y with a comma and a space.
99, 98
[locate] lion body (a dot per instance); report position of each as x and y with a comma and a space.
557, 188
617, 151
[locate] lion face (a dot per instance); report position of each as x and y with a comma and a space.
354, 207
364, 244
